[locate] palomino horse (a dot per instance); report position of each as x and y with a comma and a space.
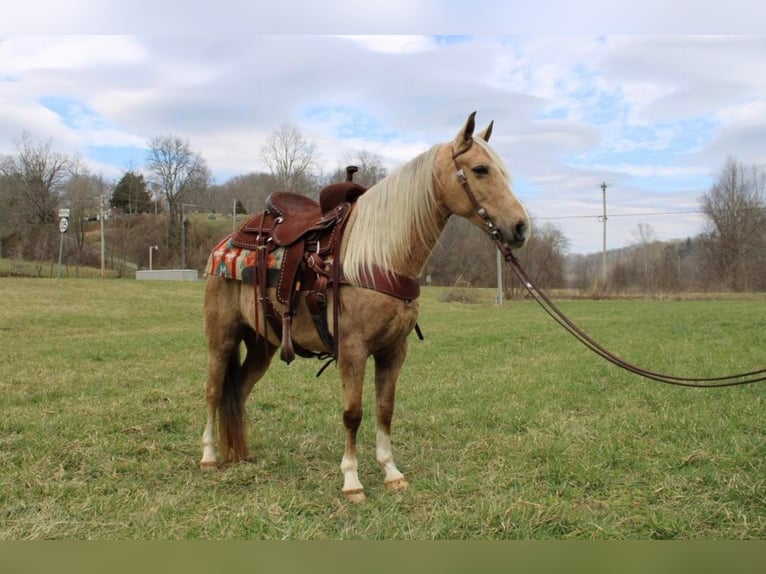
394, 226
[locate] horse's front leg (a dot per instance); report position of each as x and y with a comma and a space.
351, 362
387, 367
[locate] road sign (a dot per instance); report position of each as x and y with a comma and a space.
64, 224
64, 212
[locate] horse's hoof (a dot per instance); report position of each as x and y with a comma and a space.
356, 496
207, 466
398, 484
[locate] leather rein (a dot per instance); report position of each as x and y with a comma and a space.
558, 315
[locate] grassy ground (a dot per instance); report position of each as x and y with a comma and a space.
505, 426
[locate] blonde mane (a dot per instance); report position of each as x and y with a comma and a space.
391, 216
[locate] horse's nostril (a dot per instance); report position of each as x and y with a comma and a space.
520, 231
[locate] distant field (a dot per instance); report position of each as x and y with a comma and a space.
505, 426
11, 267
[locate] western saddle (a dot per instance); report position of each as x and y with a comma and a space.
310, 235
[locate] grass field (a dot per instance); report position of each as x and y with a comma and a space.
505, 426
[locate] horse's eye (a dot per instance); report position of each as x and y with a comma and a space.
480, 170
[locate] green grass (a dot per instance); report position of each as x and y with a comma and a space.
505, 426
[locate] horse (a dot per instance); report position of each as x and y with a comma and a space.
394, 226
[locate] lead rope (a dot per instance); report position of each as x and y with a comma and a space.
558, 315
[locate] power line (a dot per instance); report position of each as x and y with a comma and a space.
644, 214
647, 213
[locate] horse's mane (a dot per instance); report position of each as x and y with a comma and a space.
391, 216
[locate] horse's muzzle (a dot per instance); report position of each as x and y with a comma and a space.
521, 232
517, 235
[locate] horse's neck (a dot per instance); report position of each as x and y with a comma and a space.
420, 251
412, 262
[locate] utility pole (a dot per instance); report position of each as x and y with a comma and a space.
603, 248
184, 223
499, 296
101, 228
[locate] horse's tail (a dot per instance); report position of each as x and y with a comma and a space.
231, 413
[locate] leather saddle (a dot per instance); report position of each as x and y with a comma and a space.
309, 233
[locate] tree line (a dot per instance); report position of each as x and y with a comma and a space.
152, 206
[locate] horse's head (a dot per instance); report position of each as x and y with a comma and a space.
474, 183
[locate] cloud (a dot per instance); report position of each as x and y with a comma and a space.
655, 117
36, 54
399, 44
240, 18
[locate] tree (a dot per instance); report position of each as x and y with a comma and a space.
371, 169
543, 257
36, 176
462, 256
645, 258
735, 239
82, 195
31, 184
288, 155
250, 189
175, 171
130, 194
9, 217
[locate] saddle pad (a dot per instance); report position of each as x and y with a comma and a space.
232, 262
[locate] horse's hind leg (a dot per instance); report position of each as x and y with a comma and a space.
217, 365
387, 367
225, 372
223, 336
257, 360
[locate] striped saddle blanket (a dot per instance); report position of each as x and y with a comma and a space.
227, 260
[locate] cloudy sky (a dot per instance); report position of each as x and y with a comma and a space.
652, 115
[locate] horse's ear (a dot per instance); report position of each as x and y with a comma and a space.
487, 132
465, 135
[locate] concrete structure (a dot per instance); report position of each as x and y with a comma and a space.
168, 275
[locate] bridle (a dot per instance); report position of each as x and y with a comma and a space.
558, 315
494, 233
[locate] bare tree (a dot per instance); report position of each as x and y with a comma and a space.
646, 256
462, 255
735, 239
82, 195
288, 155
582, 271
371, 169
543, 257
175, 172
250, 189
36, 176
9, 218
465, 255
32, 181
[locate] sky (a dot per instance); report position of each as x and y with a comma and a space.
627, 98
